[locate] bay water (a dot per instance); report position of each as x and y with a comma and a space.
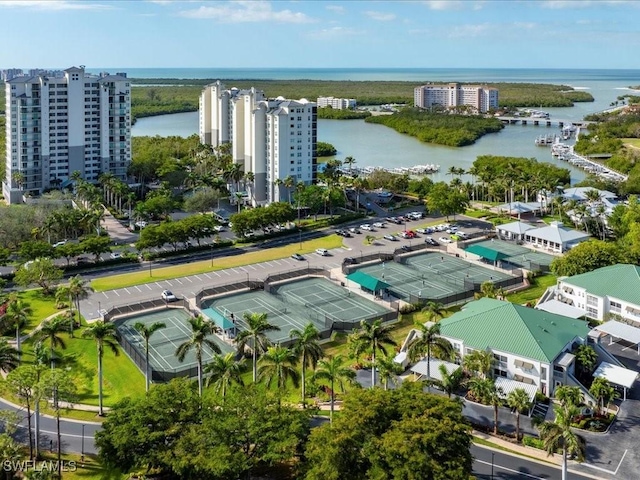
377, 145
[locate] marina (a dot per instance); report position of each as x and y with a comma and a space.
565, 152
416, 170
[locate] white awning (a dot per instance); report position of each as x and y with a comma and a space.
614, 374
507, 386
620, 330
561, 308
420, 368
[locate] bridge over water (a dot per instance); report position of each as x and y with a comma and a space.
544, 122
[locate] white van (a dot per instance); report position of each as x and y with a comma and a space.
322, 251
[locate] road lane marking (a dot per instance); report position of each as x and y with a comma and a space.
187, 278
495, 465
128, 292
137, 288
178, 280
105, 294
207, 275
198, 277
148, 286
226, 272
116, 292
612, 472
158, 284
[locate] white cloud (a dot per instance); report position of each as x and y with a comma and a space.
381, 16
54, 4
335, 8
242, 11
334, 32
470, 30
559, 4
452, 4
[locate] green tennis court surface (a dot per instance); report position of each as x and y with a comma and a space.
164, 342
432, 275
295, 304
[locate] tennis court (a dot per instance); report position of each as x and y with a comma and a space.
164, 342
519, 255
296, 304
433, 276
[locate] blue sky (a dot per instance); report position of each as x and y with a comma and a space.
320, 34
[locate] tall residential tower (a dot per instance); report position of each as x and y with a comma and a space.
76, 122
273, 138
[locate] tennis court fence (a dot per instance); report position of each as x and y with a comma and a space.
350, 264
289, 274
227, 288
131, 308
333, 324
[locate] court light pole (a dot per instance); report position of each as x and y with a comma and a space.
300, 238
247, 279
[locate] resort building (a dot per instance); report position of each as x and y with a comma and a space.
58, 125
336, 103
554, 238
480, 98
272, 138
613, 290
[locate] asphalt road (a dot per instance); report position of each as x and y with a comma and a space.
73, 439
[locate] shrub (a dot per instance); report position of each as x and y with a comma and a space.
534, 442
409, 308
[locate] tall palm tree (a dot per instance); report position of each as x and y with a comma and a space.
558, 434
450, 382
223, 370
51, 330
289, 183
518, 399
17, 316
147, 331
479, 362
373, 337
308, 349
78, 290
389, 370
568, 396
104, 335
349, 161
8, 356
334, 371
279, 364
485, 390
200, 330
603, 392
254, 336
428, 341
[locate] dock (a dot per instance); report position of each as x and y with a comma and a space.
565, 152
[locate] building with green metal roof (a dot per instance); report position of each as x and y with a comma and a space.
608, 290
530, 346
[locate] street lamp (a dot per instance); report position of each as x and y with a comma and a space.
247, 279
492, 455
82, 447
150, 272
300, 238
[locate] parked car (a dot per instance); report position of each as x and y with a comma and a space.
445, 240
60, 243
451, 230
378, 225
393, 238
431, 241
354, 230
168, 296
297, 256
366, 227
405, 248
82, 261
219, 228
322, 251
115, 255
141, 224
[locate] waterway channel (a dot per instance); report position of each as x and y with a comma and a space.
377, 145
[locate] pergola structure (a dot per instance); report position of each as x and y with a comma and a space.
620, 330
620, 376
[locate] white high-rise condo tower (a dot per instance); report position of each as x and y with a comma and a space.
479, 97
76, 122
272, 138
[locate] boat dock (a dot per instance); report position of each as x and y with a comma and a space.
565, 152
415, 170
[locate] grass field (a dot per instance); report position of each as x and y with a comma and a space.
41, 307
166, 273
533, 293
633, 142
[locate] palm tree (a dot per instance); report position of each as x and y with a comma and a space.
200, 329
17, 316
373, 337
78, 290
428, 341
558, 434
8, 356
486, 391
434, 310
308, 349
255, 337
334, 371
518, 399
479, 362
104, 334
349, 161
603, 392
389, 370
279, 364
277, 183
569, 396
146, 332
487, 289
223, 370
51, 330
451, 382
288, 183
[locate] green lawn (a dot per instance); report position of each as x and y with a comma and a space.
41, 306
121, 377
165, 273
533, 293
634, 142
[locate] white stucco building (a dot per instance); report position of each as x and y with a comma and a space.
481, 97
336, 103
272, 138
59, 125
